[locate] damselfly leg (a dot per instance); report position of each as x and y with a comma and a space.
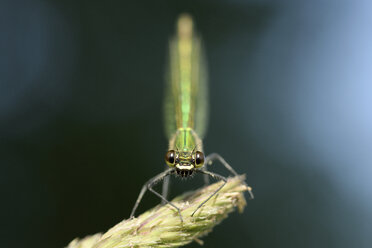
214, 175
148, 186
165, 188
216, 157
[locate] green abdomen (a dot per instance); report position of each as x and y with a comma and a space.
186, 94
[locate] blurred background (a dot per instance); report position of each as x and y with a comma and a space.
81, 87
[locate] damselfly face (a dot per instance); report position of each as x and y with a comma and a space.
184, 162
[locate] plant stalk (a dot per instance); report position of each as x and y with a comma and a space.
162, 227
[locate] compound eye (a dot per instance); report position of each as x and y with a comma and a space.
199, 159
170, 157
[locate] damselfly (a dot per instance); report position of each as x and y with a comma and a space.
185, 109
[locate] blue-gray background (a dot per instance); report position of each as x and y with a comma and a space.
81, 85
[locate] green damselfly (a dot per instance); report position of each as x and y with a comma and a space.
185, 108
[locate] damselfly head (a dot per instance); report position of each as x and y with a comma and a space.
185, 162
